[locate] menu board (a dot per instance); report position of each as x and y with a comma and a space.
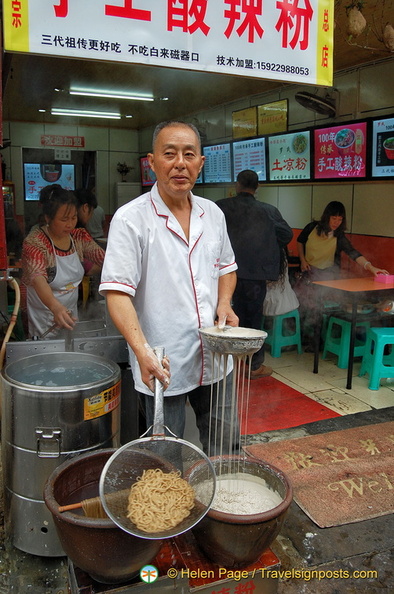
217, 167
249, 154
39, 175
340, 151
383, 148
290, 157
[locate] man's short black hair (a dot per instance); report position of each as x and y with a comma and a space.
248, 179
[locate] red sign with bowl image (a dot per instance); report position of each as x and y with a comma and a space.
340, 151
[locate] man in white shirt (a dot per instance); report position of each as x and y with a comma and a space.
170, 270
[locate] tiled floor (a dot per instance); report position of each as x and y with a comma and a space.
20, 572
328, 387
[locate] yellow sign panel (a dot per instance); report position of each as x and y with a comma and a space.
16, 25
101, 404
245, 122
325, 42
272, 117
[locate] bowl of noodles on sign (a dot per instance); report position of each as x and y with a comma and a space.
300, 143
344, 141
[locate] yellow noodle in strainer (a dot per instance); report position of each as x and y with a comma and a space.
159, 500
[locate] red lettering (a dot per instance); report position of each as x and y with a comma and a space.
232, 15
178, 16
294, 16
61, 10
251, 10
326, 23
127, 11
198, 11
276, 165
16, 14
325, 56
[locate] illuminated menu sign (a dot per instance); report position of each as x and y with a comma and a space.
217, 167
250, 154
290, 157
340, 151
37, 176
148, 177
383, 148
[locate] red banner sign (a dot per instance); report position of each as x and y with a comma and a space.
68, 141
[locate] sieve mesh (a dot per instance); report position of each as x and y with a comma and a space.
158, 451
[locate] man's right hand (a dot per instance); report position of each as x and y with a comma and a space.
152, 368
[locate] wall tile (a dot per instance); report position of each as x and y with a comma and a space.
373, 212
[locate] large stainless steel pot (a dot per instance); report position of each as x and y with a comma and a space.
55, 405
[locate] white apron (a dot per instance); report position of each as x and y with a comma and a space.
69, 274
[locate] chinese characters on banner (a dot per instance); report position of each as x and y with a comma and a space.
340, 151
66, 141
289, 40
290, 156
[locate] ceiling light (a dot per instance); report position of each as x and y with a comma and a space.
42, 110
110, 94
82, 113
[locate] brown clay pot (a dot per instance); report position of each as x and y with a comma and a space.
237, 541
97, 546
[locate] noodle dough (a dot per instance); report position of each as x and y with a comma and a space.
159, 501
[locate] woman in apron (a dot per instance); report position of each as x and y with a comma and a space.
52, 263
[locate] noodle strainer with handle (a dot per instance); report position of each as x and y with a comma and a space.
160, 451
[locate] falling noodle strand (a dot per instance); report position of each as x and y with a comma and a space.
159, 500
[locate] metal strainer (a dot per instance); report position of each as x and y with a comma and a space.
157, 451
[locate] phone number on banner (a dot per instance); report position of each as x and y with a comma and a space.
273, 67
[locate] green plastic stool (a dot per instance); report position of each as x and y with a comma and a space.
339, 345
328, 308
277, 338
375, 362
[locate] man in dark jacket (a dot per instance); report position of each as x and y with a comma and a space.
257, 233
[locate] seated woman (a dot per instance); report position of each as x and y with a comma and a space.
320, 245
52, 263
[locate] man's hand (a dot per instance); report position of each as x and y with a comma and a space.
152, 368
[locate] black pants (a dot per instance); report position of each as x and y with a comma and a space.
248, 302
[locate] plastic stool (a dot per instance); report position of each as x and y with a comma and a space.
277, 338
328, 308
340, 345
375, 362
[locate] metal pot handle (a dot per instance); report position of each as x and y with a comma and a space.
158, 416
